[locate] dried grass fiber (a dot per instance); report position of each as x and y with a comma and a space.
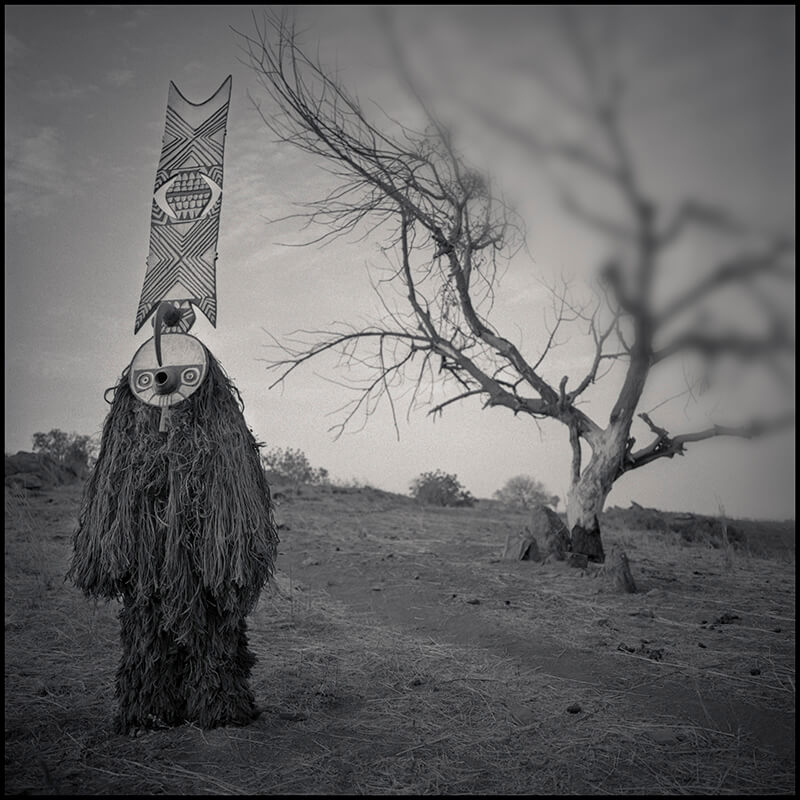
180, 526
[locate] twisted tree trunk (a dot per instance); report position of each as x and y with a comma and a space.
591, 486
585, 501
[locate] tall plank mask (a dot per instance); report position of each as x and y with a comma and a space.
176, 519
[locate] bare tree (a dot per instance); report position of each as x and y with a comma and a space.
445, 229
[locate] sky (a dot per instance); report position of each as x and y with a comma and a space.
711, 116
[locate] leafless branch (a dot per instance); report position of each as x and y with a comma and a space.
666, 446
435, 206
741, 269
694, 212
729, 344
445, 228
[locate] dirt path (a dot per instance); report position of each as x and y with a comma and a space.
466, 596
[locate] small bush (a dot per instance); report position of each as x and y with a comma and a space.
440, 489
285, 465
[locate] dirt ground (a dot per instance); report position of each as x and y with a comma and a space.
398, 654
433, 580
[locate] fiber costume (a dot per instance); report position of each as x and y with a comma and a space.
176, 518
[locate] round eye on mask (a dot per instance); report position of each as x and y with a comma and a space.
183, 367
190, 376
144, 380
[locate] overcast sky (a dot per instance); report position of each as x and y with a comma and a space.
712, 116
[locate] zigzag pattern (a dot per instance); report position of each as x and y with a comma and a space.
184, 253
198, 143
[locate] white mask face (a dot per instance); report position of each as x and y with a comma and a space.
183, 367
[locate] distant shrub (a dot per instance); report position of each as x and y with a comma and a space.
350, 483
685, 527
79, 452
708, 531
292, 466
526, 492
440, 489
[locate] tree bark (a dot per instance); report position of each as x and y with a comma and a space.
591, 487
586, 540
587, 497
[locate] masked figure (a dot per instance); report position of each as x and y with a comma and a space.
176, 518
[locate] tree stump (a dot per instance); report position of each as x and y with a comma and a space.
618, 572
578, 560
548, 527
588, 542
522, 546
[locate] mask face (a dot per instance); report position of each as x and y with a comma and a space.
184, 365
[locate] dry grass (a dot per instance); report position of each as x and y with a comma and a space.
356, 704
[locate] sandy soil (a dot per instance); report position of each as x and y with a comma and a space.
434, 578
398, 654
